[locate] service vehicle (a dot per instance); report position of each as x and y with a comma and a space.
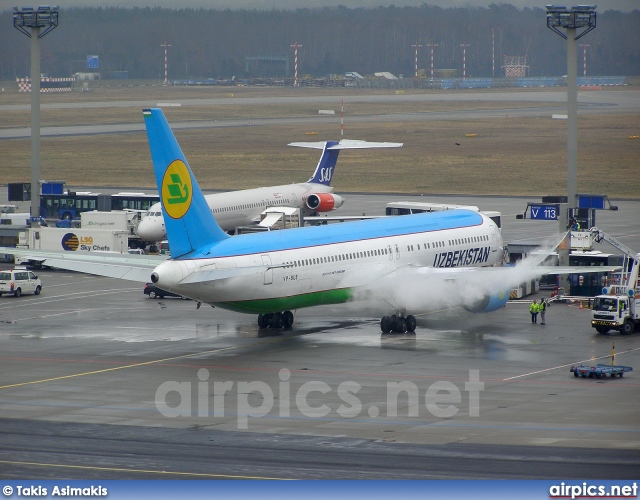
156, 292
18, 281
600, 370
618, 307
76, 240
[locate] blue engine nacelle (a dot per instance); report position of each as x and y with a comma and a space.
489, 302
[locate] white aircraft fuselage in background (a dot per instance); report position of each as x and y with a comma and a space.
243, 208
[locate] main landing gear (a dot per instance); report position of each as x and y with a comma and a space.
276, 320
398, 324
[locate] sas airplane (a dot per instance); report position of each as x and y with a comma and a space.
242, 208
402, 266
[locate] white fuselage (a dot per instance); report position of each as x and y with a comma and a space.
238, 208
311, 266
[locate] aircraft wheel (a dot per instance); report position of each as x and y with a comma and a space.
411, 323
386, 324
277, 321
263, 321
287, 318
400, 325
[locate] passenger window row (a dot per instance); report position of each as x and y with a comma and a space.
380, 252
250, 205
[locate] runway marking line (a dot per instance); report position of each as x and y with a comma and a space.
142, 471
133, 365
411, 376
570, 364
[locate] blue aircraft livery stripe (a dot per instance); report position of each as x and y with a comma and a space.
291, 239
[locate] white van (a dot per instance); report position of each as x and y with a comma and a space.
18, 281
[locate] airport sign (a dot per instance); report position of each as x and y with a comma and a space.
544, 212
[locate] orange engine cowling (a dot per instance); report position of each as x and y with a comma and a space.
324, 202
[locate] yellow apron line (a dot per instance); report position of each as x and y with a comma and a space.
142, 471
135, 365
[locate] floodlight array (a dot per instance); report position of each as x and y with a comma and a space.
43, 17
578, 17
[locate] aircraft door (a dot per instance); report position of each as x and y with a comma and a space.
397, 252
268, 274
390, 250
494, 239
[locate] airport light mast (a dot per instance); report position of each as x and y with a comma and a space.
416, 45
584, 58
582, 17
166, 64
464, 59
35, 23
432, 45
295, 48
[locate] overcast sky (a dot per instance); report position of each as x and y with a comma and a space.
623, 5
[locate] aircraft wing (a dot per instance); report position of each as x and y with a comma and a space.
112, 265
336, 218
475, 289
579, 269
347, 144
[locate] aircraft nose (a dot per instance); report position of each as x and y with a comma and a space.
150, 229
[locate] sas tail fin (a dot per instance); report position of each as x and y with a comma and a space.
188, 219
331, 149
326, 165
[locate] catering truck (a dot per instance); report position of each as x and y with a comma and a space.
618, 307
70, 240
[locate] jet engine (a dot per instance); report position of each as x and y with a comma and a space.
487, 302
324, 202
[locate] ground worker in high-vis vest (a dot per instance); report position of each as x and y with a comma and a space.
543, 309
534, 308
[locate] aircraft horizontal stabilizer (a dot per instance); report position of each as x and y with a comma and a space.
347, 144
121, 266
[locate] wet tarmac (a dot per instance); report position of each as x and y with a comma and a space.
97, 380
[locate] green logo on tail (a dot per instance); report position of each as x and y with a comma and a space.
178, 192
176, 189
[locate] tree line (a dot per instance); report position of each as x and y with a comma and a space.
214, 43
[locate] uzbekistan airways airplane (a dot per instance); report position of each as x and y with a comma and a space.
242, 208
404, 266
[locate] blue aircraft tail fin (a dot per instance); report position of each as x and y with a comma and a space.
331, 149
324, 169
188, 219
